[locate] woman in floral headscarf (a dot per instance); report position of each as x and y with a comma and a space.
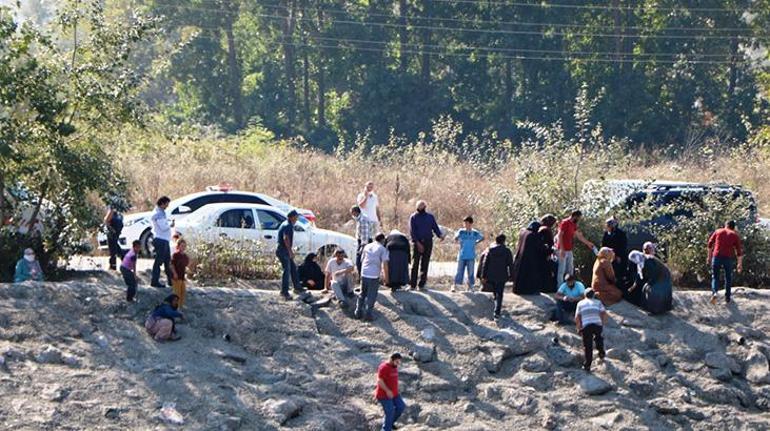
604, 281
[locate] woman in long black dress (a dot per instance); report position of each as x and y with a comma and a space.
549, 265
399, 251
527, 267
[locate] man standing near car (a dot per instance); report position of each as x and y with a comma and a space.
285, 253
365, 229
113, 222
161, 232
724, 249
568, 231
370, 204
422, 226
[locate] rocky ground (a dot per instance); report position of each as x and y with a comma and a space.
75, 356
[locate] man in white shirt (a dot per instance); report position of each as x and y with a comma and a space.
374, 263
590, 318
370, 204
161, 232
339, 278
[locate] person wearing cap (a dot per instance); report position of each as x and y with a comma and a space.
590, 318
28, 268
285, 254
569, 294
724, 250
339, 277
615, 238
468, 238
386, 391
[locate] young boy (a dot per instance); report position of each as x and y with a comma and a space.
590, 318
468, 237
128, 269
179, 262
569, 294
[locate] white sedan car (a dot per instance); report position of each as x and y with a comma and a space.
259, 223
137, 226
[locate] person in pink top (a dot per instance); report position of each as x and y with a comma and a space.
128, 269
565, 241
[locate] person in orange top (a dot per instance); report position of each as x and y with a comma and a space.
604, 282
179, 262
724, 249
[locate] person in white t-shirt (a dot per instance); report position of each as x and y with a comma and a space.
370, 204
339, 271
373, 266
590, 318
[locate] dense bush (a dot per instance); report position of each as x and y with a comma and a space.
228, 259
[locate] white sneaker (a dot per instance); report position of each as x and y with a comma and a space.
453, 288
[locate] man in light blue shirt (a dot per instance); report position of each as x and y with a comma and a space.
468, 237
569, 294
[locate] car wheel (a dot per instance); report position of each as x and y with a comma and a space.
146, 239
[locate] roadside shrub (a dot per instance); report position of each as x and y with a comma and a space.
228, 259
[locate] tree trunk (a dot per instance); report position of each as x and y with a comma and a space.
402, 37
234, 69
305, 83
508, 96
321, 78
289, 24
426, 41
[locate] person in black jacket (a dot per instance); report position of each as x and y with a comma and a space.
615, 238
497, 270
400, 254
310, 274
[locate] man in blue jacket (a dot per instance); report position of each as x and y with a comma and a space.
422, 226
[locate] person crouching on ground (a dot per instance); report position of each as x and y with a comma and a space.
310, 274
567, 297
179, 263
387, 393
373, 264
339, 277
128, 269
28, 268
590, 318
160, 323
497, 270
469, 238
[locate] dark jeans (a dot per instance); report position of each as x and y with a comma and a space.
393, 409
360, 253
289, 272
592, 334
367, 299
717, 265
562, 310
420, 262
162, 257
497, 290
130, 280
114, 246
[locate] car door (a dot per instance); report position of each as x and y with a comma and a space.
270, 221
237, 224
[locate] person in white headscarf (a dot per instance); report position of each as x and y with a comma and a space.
654, 279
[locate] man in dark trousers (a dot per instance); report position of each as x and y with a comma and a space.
590, 318
497, 270
285, 254
387, 393
422, 226
113, 222
724, 250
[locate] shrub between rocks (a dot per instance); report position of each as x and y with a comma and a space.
228, 259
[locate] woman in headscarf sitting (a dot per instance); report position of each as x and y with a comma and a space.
654, 278
604, 281
160, 323
310, 274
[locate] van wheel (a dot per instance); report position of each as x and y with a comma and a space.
146, 239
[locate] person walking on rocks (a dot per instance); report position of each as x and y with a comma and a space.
285, 254
565, 239
369, 203
468, 238
128, 269
496, 270
724, 250
161, 232
365, 230
422, 226
387, 393
590, 318
373, 265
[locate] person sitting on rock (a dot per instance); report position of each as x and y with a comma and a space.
160, 323
339, 277
590, 318
497, 269
310, 274
569, 294
654, 277
28, 268
604, 282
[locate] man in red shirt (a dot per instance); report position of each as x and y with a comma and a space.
387, 391
724, 248
568, 231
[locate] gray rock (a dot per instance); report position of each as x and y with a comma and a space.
662, 361
721, 360
497, 357
49, 355
112, 413
592, 385
618, 354
757, 368
222, 422
664, 406
70, 360
550, 421
56, 393
525, 405
642, 388
14, 353
694, 414
562, 357
282, 410
539, 381
721, 374
423, 353
536, 364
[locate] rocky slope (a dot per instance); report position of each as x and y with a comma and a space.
75, 356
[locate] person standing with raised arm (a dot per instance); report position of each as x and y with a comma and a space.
568, 231
369, 203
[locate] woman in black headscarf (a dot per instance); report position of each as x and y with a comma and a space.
548, 264
527, 265
310, 274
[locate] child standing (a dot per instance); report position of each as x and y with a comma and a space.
468, 237
128, 269
179, 262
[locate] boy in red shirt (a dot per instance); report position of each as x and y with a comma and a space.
179, 262
387, 391
565, 240
724, 248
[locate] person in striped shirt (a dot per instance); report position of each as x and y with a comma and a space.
365, 231
590, 317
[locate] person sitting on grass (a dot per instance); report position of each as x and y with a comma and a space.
339, 277
179, 262
160, 323
128, 269
28, 268
569, 294
310, 274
